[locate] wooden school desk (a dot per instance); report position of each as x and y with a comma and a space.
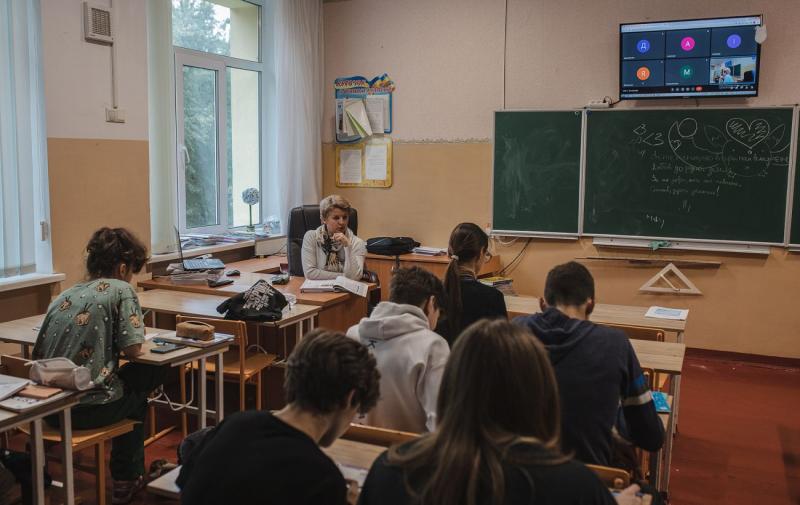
437, 265
338, 311
24, 332
33, 417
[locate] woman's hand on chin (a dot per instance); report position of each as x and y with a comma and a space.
341, 238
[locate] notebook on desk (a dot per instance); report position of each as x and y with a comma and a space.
340, 283
195, 264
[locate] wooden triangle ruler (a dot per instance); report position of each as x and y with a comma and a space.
653, 285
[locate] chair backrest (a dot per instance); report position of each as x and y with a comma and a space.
377, 436
640, 332
15, 366
236, 328
302, 219
614, 478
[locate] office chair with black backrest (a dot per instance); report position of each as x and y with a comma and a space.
302, 219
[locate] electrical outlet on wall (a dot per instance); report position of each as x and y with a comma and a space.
115, 115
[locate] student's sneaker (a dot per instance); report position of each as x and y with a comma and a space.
124, 490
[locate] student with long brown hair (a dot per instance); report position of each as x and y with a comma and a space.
467, 299
498, 435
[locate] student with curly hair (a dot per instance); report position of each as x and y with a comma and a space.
264, 457
90, 324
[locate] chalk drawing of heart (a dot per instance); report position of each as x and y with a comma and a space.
749, 135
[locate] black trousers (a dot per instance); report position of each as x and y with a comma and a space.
127, 450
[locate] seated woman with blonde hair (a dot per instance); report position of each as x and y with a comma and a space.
333, 249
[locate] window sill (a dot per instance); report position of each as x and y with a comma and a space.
29, 280
197, 251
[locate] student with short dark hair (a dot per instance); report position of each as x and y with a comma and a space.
468, 300
90, 324
261, 457
497, 440
596, 368
410, 355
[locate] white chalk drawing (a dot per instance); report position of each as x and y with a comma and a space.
744, 149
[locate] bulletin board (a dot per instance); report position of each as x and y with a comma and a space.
365, 164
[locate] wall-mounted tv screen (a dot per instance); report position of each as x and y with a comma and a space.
690, 58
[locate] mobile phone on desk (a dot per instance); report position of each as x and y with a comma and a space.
219, 282
166, 347
280, 279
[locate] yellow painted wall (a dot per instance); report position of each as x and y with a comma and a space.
748, 304
95, 183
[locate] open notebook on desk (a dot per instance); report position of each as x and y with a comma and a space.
340, 283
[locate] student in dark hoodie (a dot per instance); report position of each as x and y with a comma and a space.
596, 368
261, 457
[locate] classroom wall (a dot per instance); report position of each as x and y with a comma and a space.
446, 58
98, 171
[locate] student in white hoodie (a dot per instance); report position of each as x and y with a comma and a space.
410, 355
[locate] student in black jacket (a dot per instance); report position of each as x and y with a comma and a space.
497, 436
596, 368
257, 457
468, 300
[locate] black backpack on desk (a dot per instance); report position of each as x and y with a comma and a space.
391, 246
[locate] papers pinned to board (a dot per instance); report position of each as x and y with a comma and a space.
365, 164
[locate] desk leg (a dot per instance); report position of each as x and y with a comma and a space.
218, 386
201, 390
37, 461
66, 455
310, 323
25, 351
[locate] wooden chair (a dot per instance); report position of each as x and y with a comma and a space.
659, 381
377, 436
91, 439
613, 478
640, 332
238, 364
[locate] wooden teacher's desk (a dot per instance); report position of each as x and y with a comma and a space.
437, 265
338, 311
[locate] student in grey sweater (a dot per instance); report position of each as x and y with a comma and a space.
333, 249
410, 356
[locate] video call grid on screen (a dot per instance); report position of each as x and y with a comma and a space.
700, 57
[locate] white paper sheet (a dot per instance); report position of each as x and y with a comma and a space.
667, 313
375, 108
350, 166
375, 162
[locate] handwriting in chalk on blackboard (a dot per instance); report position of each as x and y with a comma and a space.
644, 137
657, 220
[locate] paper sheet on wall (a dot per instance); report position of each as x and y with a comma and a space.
375, 162
350, 166
357, 114
375, 108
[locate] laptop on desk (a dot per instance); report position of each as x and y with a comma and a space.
195, 264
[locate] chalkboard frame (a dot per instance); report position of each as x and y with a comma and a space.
793, 182
543, 234
789, 183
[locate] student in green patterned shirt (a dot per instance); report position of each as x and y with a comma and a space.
91, 323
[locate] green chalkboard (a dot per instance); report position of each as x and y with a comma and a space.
536, 171
794, 232
708, 174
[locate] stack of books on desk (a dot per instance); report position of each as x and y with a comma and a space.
177, 275
429, 251
504, 284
